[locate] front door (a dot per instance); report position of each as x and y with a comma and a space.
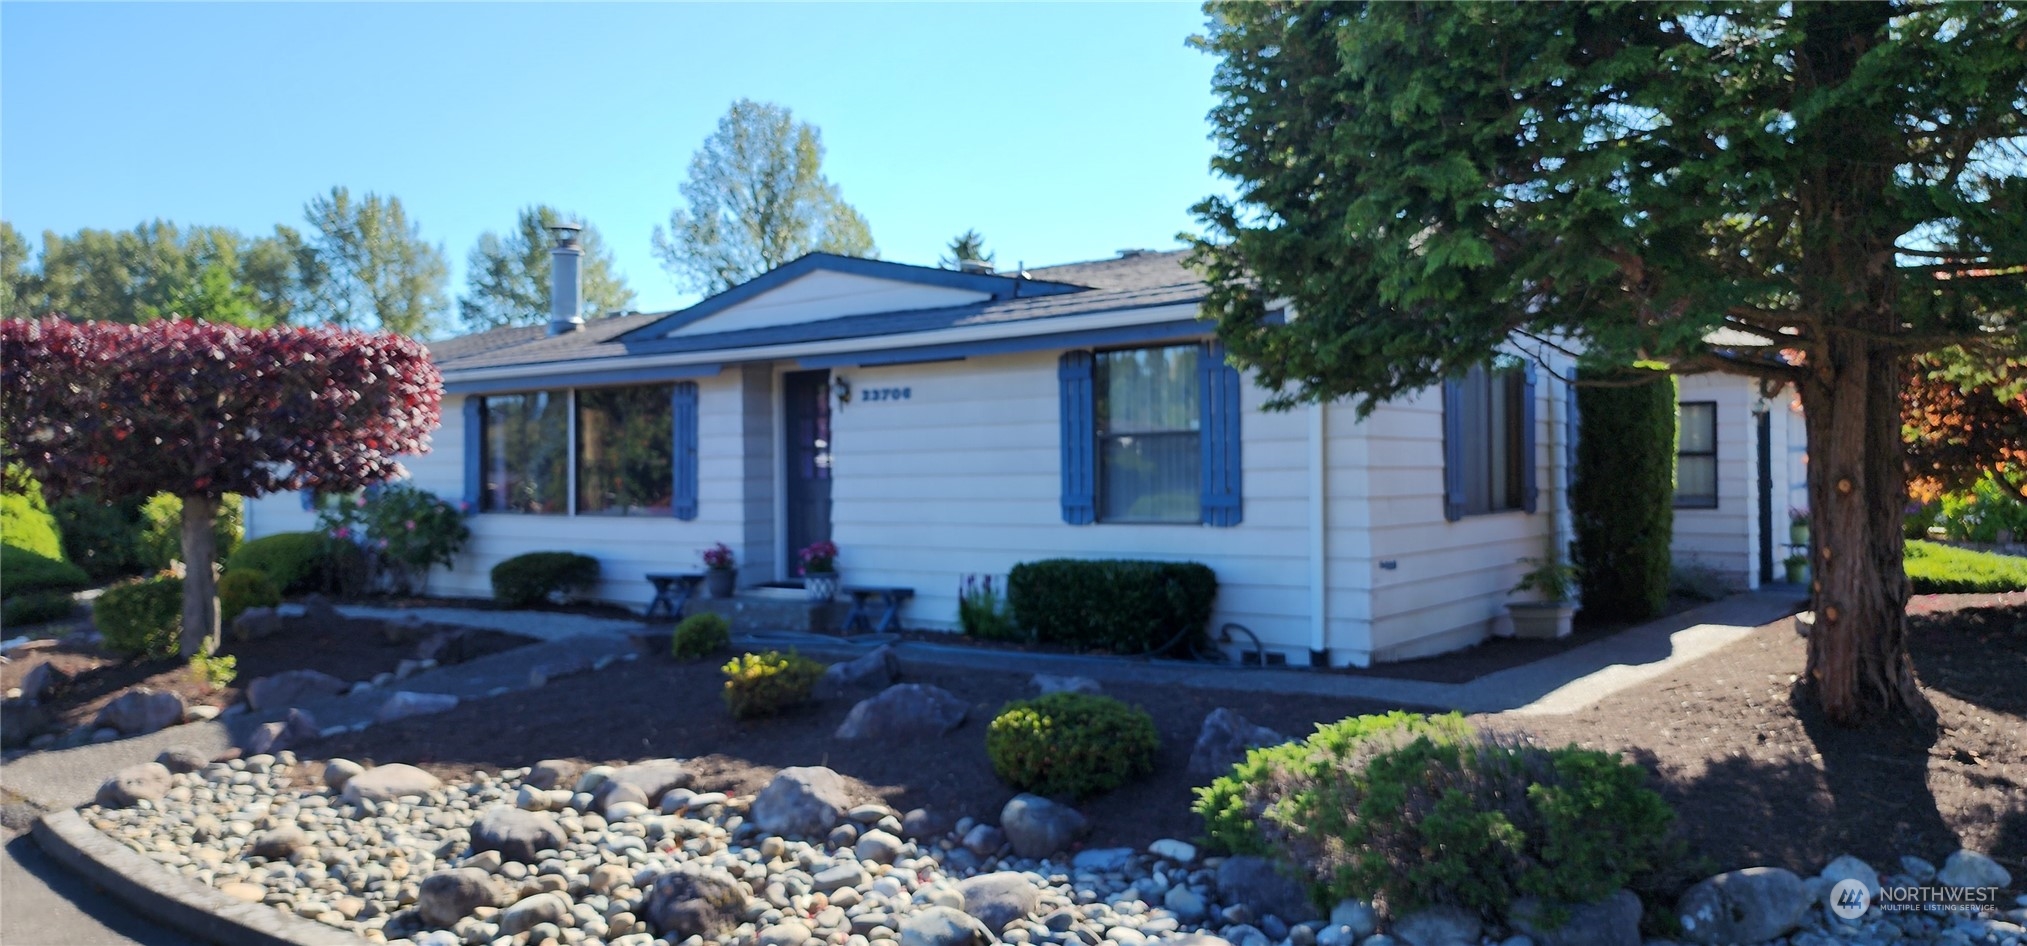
807, 415
1765, 481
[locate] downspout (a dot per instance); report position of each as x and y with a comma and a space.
1319, 538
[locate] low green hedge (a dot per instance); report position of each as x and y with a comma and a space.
530, 579
1121, 605
294, 561
1936, 569
142, 618
1071, 744
23, 572
36, 608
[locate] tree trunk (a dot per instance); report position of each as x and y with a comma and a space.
1858, 660
200, 575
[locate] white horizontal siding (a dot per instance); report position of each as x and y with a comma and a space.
1726, 539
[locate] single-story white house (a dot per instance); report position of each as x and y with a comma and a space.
936, 423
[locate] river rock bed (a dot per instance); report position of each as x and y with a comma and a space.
551, 856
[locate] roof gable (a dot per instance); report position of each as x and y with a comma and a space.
825, 286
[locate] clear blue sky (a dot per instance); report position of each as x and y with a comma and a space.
1061, 131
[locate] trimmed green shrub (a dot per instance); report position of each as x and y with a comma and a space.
36, 607
1121, 605
700, 635
1071, 744
766, 684
142, 618
532, 578
1980, 513
161, 540
25, 523
1413, 812
243, 589
24, 572
1622, 500
100, 537
1936, 569
294, 561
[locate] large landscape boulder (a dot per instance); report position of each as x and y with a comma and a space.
904, 711
21, 721
1968, 868
1438, 926
449, 896
518, 835
695, 900
805, 800
149, 780
650, 778
1000, 898
42, 680
291, 687
389, 782
943, 926
1257, 883
1038, 827
1224, 739
871, 673
141, 711
405, 703
1742, 906
181, 759
298, 729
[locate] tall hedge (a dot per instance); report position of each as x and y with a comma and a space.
1121, 605
1623, 501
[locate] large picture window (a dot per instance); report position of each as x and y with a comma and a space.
526, 453
625, 463
1696, 455
1488, 449
1149, 418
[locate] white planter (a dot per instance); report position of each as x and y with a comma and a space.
1541, 620
821, 586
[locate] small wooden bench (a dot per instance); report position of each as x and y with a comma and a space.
860, 617
672, 591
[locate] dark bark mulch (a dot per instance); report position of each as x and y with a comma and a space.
1758, 777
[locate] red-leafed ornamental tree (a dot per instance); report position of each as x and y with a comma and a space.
1964, 418
202, 409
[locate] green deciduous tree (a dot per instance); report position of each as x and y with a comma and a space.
757, 199
140, 274
964, 246
368, 266
1838, 185
507, 278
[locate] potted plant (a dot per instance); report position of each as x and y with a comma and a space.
1798, 527
1556, 582
1798, 568
721, 574
819, 570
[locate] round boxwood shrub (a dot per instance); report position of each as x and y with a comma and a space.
701, 635
142, 618
294, 561
1071, 744
1410, 812
161, 539
766, 684
537, 576
243, 589
103, 538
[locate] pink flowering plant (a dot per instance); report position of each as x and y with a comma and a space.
818, 558
718, 557
406, 530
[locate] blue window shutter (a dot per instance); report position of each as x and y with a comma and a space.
475, 448
1453, 449
683, 402
1079, 453
1530, 465
1222, 501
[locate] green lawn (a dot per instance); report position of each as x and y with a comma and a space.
1943, 569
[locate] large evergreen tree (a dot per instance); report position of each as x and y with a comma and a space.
757, 198
1839, 186
507, 278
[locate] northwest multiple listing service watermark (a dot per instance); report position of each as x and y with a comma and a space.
1850, 899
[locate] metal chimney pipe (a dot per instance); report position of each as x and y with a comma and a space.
566, 280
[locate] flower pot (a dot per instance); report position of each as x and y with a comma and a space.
1798, 572
1541, 620
1798, 534
719, 581
821, 586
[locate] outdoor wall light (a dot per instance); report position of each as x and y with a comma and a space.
842, 389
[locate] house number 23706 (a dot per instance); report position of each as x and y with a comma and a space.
884, 394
